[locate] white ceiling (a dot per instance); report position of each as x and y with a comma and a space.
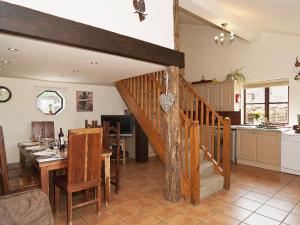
248, 18
51, 62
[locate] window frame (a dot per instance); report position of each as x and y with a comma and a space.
267, 104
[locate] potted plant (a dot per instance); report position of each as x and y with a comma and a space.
257, 117
237, 75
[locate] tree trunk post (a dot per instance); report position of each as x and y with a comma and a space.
173, 139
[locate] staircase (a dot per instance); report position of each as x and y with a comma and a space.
205, 135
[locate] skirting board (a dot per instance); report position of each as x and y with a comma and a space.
257, 164
296, 172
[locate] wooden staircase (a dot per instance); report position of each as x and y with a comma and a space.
205, 136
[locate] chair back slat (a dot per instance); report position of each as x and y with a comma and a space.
43, 128
3, 164
94, 124
84, 157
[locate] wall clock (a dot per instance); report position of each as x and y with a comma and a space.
5, 94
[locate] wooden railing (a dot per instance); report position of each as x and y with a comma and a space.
214, 131
146, 91
200, 128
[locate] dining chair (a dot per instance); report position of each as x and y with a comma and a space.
112, 140
15, 180
83, 171
43, 128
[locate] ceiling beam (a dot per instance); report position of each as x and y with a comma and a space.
25, 22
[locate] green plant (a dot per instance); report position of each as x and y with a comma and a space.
298, 116
237, 75
256, 115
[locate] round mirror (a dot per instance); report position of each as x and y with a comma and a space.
5, 94
50, 102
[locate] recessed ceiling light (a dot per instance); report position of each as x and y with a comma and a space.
12, 49
1, 69
5, 61
94, 62
60, 75
75, 70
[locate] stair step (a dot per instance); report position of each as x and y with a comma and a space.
211, 184
206, 168
201, 154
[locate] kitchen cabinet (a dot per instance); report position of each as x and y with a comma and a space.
259, 148
246, 145
220, 96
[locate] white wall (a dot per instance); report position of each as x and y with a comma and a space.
117, 16
16, 115
272, 57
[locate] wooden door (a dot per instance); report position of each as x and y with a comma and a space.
268, 147
226, 96
246, 145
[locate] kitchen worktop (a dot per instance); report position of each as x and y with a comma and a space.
249, 127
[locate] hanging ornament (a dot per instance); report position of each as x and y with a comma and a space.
167, 100
140, 8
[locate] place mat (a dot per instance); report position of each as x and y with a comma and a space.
28, 144
34, 148
45, 153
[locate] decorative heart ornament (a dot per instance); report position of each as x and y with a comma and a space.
167, 100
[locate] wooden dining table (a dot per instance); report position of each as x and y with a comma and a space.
45, 165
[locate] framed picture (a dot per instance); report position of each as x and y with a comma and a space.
84, 101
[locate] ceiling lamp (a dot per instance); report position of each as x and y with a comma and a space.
225, 36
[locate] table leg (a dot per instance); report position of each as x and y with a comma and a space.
44, 178
107, 178
22, 159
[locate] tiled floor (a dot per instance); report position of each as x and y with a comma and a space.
256, 197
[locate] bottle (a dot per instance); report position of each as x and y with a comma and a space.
61, 138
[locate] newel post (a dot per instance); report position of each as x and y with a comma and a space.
173, 139
226, 152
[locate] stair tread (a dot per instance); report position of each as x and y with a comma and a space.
206, 168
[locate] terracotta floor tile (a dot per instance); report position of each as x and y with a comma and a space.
106, 217
297, 209
257, 197
145, 203
280, 204
141, 218
273, 213
125, 210
200, 212
287, 197
292, 219
236, 212
247, 204
226, 196
212, 202
219, 219
61, 218
162, 211
182, 219
256, 219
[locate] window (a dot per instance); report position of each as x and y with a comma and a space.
267, 102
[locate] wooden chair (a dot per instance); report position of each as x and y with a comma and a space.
43, 128
15, 180
112, 139
83, 172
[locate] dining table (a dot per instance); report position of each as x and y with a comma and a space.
54, 163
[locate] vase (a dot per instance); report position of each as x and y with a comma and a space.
257, 121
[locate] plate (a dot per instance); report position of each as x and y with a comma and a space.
34, 148
28, 144
44, 153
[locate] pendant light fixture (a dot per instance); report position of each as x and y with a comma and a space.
225, 37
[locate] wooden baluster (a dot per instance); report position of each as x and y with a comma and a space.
207, 129
195, 164
146, 95
191, 105
187, 102
219, 142
197, 109
154, 105
134, 88
158, 110
226, 153
212, 135
151, 99
142, 92
131, 85
186, 146
201, 123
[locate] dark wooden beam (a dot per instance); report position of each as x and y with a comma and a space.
25, 22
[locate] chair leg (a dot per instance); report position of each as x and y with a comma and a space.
69, 208
99, 198
56, 198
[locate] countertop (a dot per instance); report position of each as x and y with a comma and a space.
291, 133
249, 127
